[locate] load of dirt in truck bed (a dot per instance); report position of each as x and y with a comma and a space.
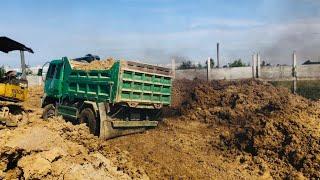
94, 65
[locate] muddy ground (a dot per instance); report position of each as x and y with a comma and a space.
217, 130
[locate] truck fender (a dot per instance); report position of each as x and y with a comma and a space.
45, 100
92, 105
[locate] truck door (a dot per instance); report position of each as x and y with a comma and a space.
53, 81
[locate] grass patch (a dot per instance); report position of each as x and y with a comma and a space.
306, 88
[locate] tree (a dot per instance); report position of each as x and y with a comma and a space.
264, 63
186, 65
237, 63
2, 71
211, 63
199, 66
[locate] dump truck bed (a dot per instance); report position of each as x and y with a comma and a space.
144, 84
135, 84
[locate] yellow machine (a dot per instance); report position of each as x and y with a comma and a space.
13, 92
13, 85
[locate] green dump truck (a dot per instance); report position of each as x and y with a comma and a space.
112, 97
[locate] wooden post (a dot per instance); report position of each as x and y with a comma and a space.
294, 71
173, 68
253, 66
208, 69
258, 65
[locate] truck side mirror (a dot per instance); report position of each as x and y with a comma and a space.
40, 72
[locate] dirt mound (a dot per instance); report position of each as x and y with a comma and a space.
262, 122
55, 149
46, 150
181, 89
94, 65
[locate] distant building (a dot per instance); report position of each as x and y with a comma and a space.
310, 62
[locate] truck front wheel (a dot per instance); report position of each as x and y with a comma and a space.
49, 111
87, 116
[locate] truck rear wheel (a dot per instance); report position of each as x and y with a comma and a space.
49, 111
87, 116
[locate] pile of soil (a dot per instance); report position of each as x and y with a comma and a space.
94, 65
44, 151
260, 124
230, 130
181, 91
56, 149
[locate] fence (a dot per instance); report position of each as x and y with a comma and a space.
267, 73
292, 72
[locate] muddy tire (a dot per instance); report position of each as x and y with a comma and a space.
87, 116
49, 111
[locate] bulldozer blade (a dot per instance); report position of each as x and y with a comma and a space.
108, 132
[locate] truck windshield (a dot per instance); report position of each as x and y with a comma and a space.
58, 71
54, 71
51, 70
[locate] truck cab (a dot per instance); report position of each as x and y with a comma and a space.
53, 79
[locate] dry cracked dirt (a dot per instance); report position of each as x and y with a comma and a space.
218, 130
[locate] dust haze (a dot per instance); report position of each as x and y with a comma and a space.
301, 34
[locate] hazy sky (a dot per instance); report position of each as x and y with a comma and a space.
153, 31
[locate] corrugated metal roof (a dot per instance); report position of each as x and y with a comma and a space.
7, 45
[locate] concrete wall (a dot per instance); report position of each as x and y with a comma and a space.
231, 73
191, 74
276, 72
266, 73
216, 74
308, 71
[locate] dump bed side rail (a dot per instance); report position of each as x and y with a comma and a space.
144, 86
